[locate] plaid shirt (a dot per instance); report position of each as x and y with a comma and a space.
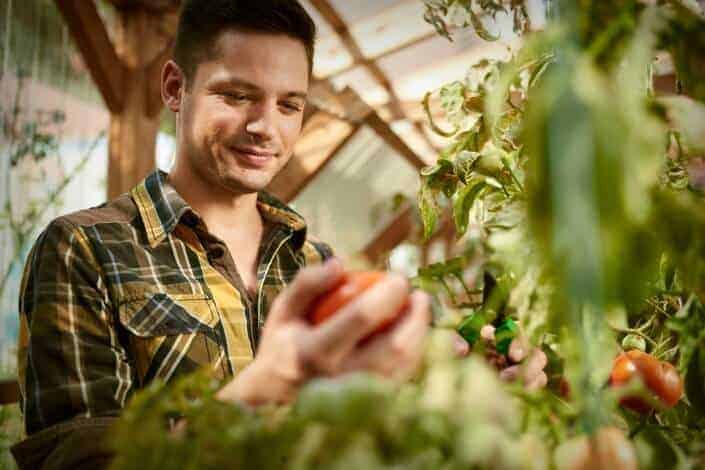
136, 289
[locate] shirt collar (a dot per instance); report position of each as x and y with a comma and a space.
161, 208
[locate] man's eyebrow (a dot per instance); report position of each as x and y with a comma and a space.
297, 94
240, 83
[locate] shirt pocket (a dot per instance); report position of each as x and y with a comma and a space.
171, 334
162, 314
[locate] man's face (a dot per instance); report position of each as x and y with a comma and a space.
242, 113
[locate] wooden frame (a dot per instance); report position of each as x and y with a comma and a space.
103, 63
336, 22
9, 392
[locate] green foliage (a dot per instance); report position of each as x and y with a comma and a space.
457, 416
580, 152
462, 13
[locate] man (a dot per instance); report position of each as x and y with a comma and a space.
182, 271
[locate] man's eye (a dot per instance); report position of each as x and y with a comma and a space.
294, 107
236, 96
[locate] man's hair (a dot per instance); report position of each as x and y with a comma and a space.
202, 21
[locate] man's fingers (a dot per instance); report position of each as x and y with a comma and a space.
530, 371
535, 364
398, 353
511, 373
308, 284
538, 382
460, 346
363, 315
487, 333
518, 348
412, 328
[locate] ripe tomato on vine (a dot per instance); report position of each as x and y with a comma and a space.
660, 377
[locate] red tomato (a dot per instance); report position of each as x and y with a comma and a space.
352, 285
670, 388
659, 377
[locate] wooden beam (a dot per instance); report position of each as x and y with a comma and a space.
356, 110
297, 175
383, 130
88, 30
309, 111
395, 232
141, 36
338, 24
9, 392
305, 166
367, 60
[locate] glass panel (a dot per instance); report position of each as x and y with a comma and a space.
387, 29
53, 149
342, 204
352, 12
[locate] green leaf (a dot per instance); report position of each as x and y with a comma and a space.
442, 165
463, 164
470, 327
431, 122
442, 269
465, 197
695, 380
657, 451
429, 209
504, 334
432, 17
480, 28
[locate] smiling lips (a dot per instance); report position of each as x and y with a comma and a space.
254, 156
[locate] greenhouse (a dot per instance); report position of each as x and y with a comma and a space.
371, 234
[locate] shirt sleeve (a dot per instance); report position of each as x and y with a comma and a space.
320, 251
72, 369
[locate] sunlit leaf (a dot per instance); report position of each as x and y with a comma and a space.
465, 197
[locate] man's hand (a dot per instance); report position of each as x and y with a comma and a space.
522, 362
292, 351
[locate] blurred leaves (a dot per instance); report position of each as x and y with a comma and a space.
457, 416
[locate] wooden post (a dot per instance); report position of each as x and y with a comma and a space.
395, 232
9, 392
133, 131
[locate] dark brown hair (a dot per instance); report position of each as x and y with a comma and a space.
202, 21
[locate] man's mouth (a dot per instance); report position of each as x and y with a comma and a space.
253, 156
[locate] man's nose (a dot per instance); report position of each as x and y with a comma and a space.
261, 120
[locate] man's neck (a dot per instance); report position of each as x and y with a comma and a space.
226, 214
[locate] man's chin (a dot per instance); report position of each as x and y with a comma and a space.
243, 185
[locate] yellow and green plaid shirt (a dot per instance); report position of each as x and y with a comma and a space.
136, 289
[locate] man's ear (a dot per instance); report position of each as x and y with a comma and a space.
173, 85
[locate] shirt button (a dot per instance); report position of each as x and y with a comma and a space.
190, 219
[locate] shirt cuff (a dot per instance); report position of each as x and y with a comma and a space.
76, 444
